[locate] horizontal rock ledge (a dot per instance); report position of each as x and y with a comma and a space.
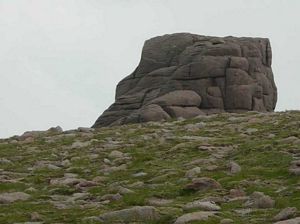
185, 75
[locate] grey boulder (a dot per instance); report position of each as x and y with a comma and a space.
186, 75
134, 214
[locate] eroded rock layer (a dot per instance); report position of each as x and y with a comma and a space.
185, 75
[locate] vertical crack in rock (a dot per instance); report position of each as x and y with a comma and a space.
228, 74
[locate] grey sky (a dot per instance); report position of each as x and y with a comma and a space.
60, 60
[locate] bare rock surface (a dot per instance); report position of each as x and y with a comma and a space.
186, 75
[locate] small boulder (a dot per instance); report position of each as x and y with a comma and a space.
56, 129
78, 145
193, 217
295, 168
193, 172
115, 154
159, 202
202, 205
260, 200
34, 216
234, 167
203, 183
6, 198
289, 221
286, 213
226, 221
236, 193
130, 215
85, 129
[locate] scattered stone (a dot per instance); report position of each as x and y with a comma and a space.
5, 161
85, 129
202, 205
111, 197
214, 199
79, 144
107, 161
28, 222
194, 216
56, 129
193, 172
31, 189
45, 165
236, 193
271, 135
286, 213
137, 184
234, 167
66, 181
195, 127
86, 183
250, 131
75, 158
226, 221
260, 200
66, 163
289, 221
108, 170
34, 216
53, 167
290, 140
139, 174
295, 168
203, 183
158, 202
134, 214
243, 211
211, 167
123, 190
99, 179
79, 196
115, 154
93, 156
70, 175
7, 198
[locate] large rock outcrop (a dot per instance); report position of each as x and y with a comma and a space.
185, 75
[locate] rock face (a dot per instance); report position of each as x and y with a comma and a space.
185, 75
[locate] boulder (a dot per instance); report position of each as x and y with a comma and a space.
289, 221
286, 213
193, 217
186, 75
202, 205
6, 198
135, 214
202, 184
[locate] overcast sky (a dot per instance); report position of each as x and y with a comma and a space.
60, 60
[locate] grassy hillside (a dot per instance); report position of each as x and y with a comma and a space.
239, 168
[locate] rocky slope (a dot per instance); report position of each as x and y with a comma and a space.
226, 168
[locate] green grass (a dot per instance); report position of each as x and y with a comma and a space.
264, 161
